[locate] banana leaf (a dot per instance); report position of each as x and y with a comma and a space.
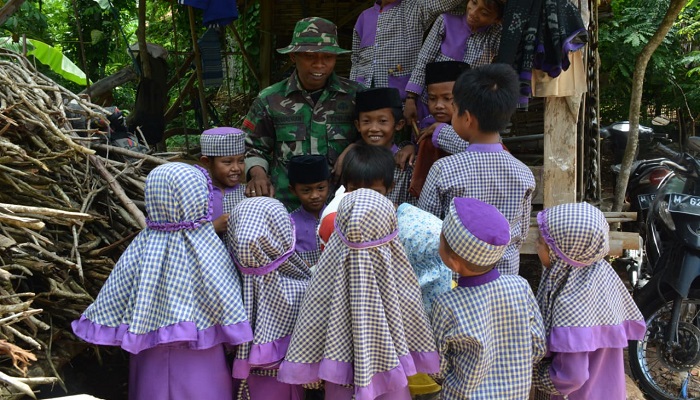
50, 56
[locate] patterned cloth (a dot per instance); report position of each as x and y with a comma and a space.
308, 242
386, 42
261, 240
419, 233
178, 263
402, 183
284, 121
488, 173
222, 142
445, 138
451, 39
489, 334
362, 320
585, 305
314, 34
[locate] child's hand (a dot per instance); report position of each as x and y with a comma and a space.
220, 224
406, 154
410, 112
427, 133
338, 166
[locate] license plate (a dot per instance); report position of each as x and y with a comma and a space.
684, 203
645, 200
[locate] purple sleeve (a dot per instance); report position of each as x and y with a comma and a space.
569, 371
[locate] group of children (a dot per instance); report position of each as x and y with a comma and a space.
355, 297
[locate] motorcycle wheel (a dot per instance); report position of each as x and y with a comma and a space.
663, 372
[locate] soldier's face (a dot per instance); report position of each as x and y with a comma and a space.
313, 69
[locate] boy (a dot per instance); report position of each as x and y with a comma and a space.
440, 78
379, 118
473, 37
387, 39
223, 155
485, 98
489, 330
309, 177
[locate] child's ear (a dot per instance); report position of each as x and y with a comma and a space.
292, 190
205, 160
357, 124
399, 125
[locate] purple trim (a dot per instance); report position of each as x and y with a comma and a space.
434, 139
185, 333
266, 269
569, 46
263, 355
342, 373
574, 339
366, 26
471, 281
223, 131
413, 88
485, 147
394, 149
544, 231
457, 32
364, 245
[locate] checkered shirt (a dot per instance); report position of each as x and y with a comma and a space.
480, 49
490, 174
448, 140
587, 295
402, 182
167, 277
385, 43
233, 197
260, 231
222, 142
419, 233
363, 306
489, 337
307, 224
467, 245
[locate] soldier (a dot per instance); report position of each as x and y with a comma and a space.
311, 112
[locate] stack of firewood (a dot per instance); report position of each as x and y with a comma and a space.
69, 205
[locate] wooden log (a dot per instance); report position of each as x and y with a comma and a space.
559, 176
119, 192
108, 83
619, 241
51, 212
129, 153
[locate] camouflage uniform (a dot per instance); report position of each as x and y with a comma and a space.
283, 120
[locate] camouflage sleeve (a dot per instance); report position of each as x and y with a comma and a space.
260, 136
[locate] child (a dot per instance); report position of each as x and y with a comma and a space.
488, 330
485, 98
174, 298
261, 240
588, 313
387, 38
309, 179
473, 37
379, 117
223, 154
362, 321
439, 78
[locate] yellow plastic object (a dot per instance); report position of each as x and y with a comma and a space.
422, 384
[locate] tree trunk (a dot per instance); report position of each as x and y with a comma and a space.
640, 67
8, 9
108, 83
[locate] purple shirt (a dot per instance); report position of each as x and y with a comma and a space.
218, 199
308, 244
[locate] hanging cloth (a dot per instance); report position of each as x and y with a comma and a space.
210, 50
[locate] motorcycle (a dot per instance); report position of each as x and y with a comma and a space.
666, 363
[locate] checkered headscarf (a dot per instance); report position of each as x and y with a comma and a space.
362, 314
175, 271
222, 142
580, 289
261, 240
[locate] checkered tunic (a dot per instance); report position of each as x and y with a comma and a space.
362, 320
402, 182
385, 43
261, 234
450, 39
488, 173
175, 282
585, 305
489, 334
308, 242
445, 138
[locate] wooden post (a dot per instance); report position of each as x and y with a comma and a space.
266, 22
559, 152
198, 66
144, 56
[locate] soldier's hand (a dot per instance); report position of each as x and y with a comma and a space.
407, 154
259, 183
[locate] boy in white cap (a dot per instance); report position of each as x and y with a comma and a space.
223, 154
489, 329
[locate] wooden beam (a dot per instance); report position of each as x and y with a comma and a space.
559, 152
198, 65
175, 107
266, 22
108, 83
8, 9
184, 67
619, 241
144, 56
244, 52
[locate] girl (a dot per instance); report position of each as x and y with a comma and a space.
588, 314
173, 299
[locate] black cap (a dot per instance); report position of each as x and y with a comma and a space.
308, 169
377, 98
444, 71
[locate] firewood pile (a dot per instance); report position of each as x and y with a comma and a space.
69, 206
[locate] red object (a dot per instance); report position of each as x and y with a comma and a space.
427, 155
326, 227
248, 124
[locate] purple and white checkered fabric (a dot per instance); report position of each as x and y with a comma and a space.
168, 277
222, 142
466, 245
580, 289
363, 309
260, 233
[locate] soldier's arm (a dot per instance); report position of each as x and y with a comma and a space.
260, 148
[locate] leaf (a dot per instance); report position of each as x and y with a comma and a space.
58, 62
96, 36
21, 386
104, 4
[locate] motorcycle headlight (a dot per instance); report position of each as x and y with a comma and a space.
665, 215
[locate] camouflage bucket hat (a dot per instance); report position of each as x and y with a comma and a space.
316, 35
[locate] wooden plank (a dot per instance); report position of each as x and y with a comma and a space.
266, 33
559, 153
619, 241
198, 66
538, 196
610, 216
